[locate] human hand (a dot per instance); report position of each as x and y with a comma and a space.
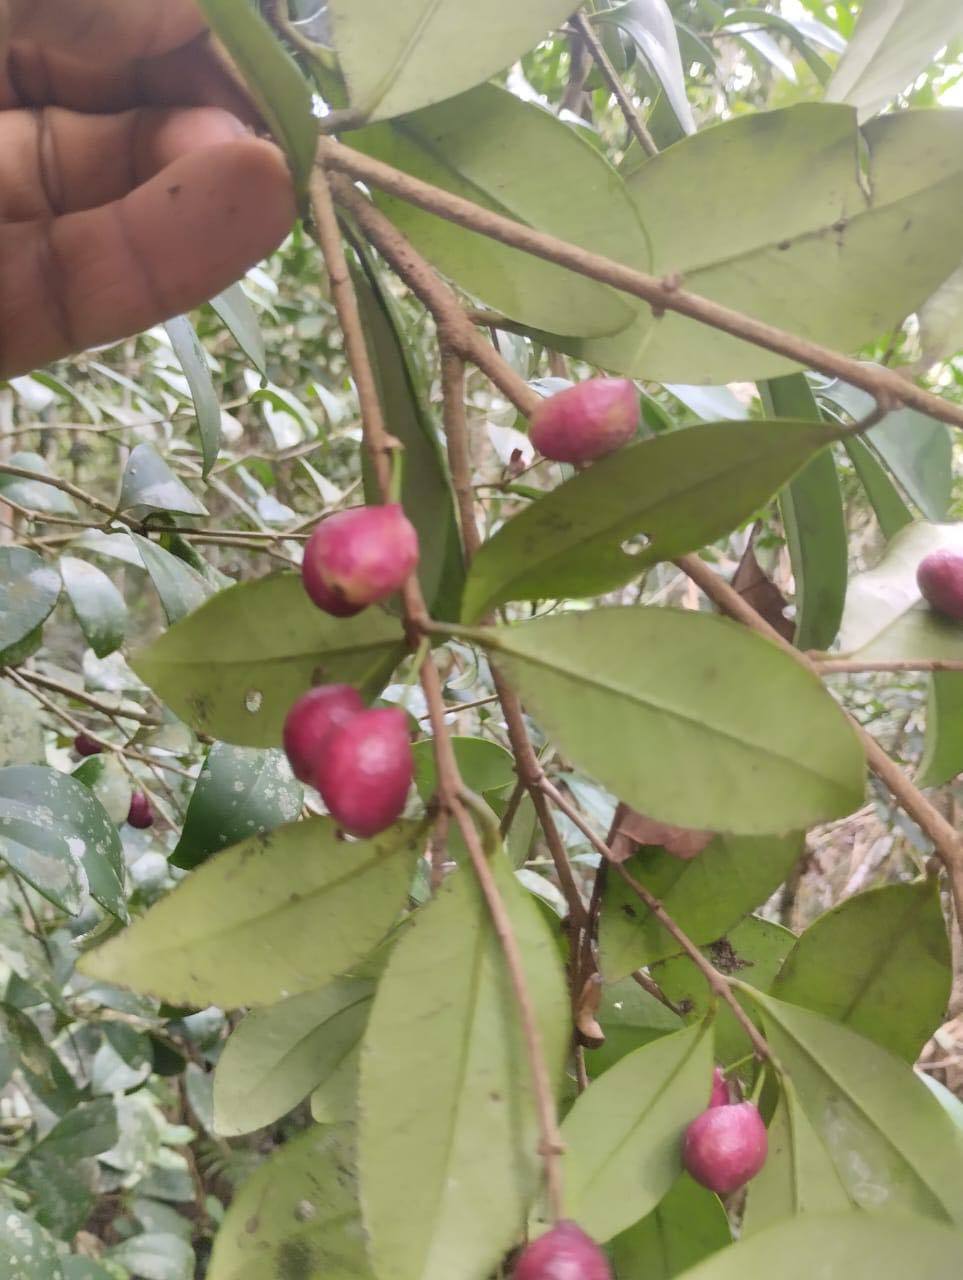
130, 186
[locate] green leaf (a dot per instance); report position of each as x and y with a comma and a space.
706, 896
44, 1072
109, 781
754, 950
56, 1173
891, 511
683, 490
766, 245
192, 358
56, 835
630, 1018
943, 750
651, 28
484, 765
278, 1055
28, 1251
78, 1268
148, 484
414, 52
241, 792
446, 1100
885, 616
798, 1176
293, 908
815, 524
155, 1257
239, 316
21, 727
234, 667
457, 147
403, 390
624, 1134
297, 1216
893, 42
688, 1225
181, 589
879, 963
34, 494
845, 1246
99, 606
28, 592
685, 716
283, 96
893, 1147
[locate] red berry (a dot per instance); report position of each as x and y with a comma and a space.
141, 814
725, 1146
719, 1097
357, 557
586, 421
365, 771
84, 745
940, 579
563, 1253
311, 719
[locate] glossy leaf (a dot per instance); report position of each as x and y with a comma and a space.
850, 1246
893, 1147
109, 781
297, 1216
155, 1256
34, 494
484, 765
885, 616
181, 589
28, 592
688, 1224
814, 524
414, 52
766, 246
891, 510
192, 358
148, 484
706, 896
282, 94
943, 749
21, 727
624, 1134
26, 1249
893, 42
55, 834
99, 606
293, 908
446, 1090
240, 317
682, 490
650, 25
426, 491
278, 1055
234, 667
240, 793
685, 716
458, 146
878, 962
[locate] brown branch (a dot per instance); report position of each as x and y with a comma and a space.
614, 82
65, 486
459, 453
662, 294
106, 709
836, 666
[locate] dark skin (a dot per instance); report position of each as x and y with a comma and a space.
132, 185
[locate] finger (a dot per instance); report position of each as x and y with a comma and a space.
106, 31
54, 162
90, 278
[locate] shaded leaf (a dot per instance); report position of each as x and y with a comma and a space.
682, 490
294, 908
650, 25
630, 1018
181, 588
99, 606
624, 1134
237, 313
943, 749
34, 494
446, 1089
109, 781
234, 667
240, 793
879, 963
21, 727
148, 484
155, 1257
28, 592
685, 716
207, 408
891, 511
688, 1225
28, 1251
484, 765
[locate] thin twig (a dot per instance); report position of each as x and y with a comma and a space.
837, 666
107, 709
614, 82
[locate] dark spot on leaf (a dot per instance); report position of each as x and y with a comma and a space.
725, 958
295, 1260
252, 1225
784, 244
685, 1006
629, 910
495, 1096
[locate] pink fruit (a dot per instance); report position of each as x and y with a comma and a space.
84, 745
719, 1097
357, 557
563, 1253
311, 719
586, 421
141, 814
365, 771
725, 1146
940, 579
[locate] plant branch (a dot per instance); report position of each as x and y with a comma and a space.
836, 666
665, 294
106, 709
614, 82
